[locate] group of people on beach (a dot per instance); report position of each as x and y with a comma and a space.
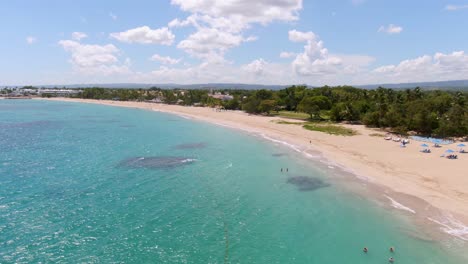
392, 250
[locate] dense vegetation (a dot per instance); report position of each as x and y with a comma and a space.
436, 113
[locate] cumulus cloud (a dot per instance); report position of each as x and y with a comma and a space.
298, 36
390, 29
287, 55
455, 7
78, 36
94, 59
315, 58
220, 24
256, 67
164, 59
145, 35
210, 43
426, 68
259, 11
31, 40
257, 71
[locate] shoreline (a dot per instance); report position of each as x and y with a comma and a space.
433, 189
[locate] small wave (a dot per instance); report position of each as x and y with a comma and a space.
171, 112
400, 206
307, 154
188, 160
185, 116
229, 166
294, 147
453, 227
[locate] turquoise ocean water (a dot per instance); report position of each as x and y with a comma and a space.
86, 183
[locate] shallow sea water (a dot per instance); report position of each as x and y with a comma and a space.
99, 184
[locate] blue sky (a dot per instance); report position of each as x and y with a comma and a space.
264, 41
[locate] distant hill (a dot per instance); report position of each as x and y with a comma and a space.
172, 86
443, 85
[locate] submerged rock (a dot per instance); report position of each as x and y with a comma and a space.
155, 162
278, 154
191, 146
304, 183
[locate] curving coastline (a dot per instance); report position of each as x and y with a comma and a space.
434, 188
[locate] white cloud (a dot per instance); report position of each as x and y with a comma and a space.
113, 16
455, 7
314, 60
94, 59
220, 24
259, 11
210, 43
440, 66
256, 67
287, 55
298, 36
179, 23
390, 29
164, 59
78, 36
145, 35
258, 71
31, 40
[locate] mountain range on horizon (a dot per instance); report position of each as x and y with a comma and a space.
444, 85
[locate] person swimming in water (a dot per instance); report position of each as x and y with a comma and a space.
391, 260
365, 250
392, 249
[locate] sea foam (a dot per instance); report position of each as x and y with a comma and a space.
452, 226
400, 206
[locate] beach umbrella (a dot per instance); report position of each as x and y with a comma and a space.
461, 145
449, 151
424, 145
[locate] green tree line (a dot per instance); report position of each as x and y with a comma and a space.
436, 113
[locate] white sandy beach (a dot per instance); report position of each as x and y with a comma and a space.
440, 182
